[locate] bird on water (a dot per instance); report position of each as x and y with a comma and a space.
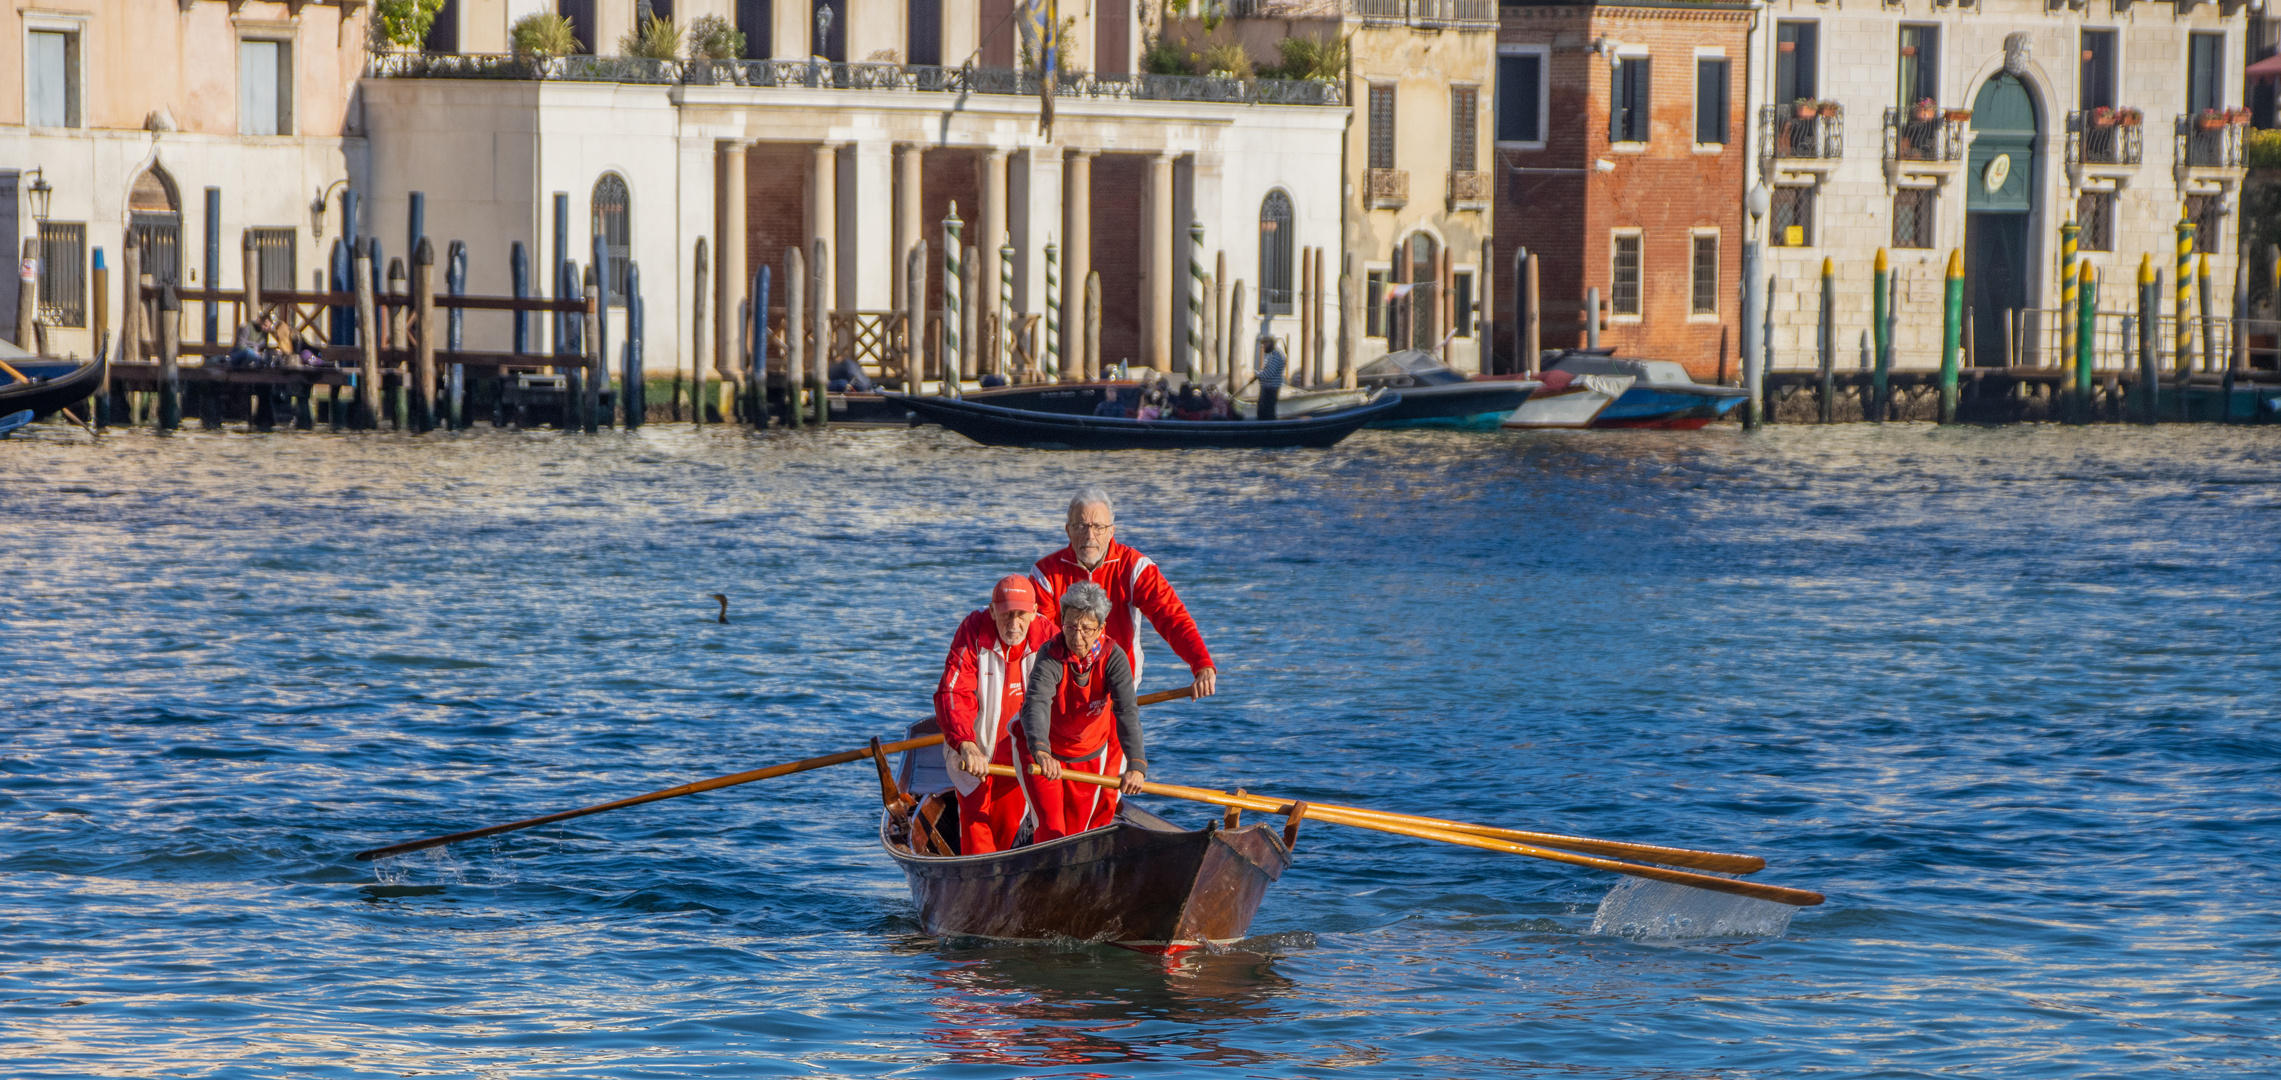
724, 604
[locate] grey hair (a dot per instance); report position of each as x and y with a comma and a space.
1092, 496
1085, 598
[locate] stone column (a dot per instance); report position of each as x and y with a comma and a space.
1033, 199
1157, 275
729, 272
910, 185
823, 224
990, 235
1076, 252
868, 265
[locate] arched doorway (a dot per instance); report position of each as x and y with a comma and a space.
1416, 315
1999, 203
154, 214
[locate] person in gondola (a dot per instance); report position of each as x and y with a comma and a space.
1135, 585
1270, 369
1080, 713
977, 704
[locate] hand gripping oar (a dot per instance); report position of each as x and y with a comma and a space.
1383, 823
715, 784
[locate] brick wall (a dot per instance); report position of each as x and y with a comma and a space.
946, 177
1666, 190
776, 208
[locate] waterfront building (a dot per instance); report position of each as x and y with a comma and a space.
1622, 134
1924, 126
190, 125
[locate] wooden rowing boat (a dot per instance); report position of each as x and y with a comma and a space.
992, 425
51, 387
1141, 882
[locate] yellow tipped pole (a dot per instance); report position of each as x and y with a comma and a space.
2202, 311
1828, 338
2149, 310
1951, 334
1881, 329
2069, 234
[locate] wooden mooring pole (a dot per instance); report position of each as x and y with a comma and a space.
795, 333
590, 401
424, 337
1827, 339
169, 354
368, 338
2149, 320
756, 376
1881, 328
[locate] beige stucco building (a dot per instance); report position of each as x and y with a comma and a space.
186, 122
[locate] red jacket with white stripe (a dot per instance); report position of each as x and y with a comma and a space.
983, 680
1136, 588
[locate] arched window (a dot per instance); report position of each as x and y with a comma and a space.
1275, 264
613, 225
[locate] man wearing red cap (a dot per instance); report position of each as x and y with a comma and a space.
976, 705
1134, 584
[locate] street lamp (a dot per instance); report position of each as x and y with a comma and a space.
317, 207
41, 192
1758, 201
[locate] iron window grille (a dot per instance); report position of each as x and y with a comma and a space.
2095, 210
1791, 220
1704, 275
1913, 218
63, 274
1623, 276
1275, 254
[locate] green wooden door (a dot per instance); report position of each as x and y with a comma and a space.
1999, 197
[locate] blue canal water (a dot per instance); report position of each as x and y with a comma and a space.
2008, 696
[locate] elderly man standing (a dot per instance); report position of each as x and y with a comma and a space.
1132, 581
976, 704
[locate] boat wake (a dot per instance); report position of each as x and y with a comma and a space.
1645, 910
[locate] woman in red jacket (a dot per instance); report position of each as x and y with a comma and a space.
976, 704
1080, 712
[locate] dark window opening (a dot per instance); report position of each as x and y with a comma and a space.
2098, 86
1711, 101
1520, 94
1628, 101
613, 225
1793, 61
1275, 249
756, 20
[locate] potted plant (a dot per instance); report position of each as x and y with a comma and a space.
2103, 116
2237, 116
1804, 107
1827, 109
1924, 111
2129, 117
2210, 120
1959, 116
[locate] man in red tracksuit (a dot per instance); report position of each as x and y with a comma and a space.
1080, 712
976, 704
1134, 584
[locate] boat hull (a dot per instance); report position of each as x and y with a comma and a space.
51, 394
1140, 882
1467, 405
1669, 407
993, 425
1574, 407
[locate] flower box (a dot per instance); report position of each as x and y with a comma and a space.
1960, 116
1924, 111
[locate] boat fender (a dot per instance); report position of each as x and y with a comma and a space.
1291, 826
1555, 382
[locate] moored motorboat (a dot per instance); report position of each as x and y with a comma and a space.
995, 425
1662, 394
1569, 401
1434, 395
1140, 882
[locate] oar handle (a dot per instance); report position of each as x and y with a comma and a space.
1777, 893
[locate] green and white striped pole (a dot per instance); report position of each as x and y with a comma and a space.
952, 275
1053, 310
1006, 309
1197, 276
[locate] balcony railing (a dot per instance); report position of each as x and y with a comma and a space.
2112, 142
819, 75
1910, 139
1785, 134
1386, 189
1462, 14
1468, 189
2202, 147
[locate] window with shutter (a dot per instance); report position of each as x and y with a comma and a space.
1381, 127
1710, 100
1464, 129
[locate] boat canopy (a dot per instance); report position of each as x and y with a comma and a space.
1645, 372
1409, 367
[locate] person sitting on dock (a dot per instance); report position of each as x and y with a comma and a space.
1080, 712
256, 344
1135, 585
976, 704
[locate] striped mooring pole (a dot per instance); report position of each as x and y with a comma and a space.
1053, 310
1005, 309
2182, 324
1197, 276
2069, 234
2086, 339
952, 275
1951, 334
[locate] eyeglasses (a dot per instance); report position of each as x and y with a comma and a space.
1085, 527
1084, 629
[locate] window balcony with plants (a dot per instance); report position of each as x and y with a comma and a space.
2105, 135
1925, 132
1804, 130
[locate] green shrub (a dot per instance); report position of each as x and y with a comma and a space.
1167, 58
543, 35
2263, 150
405, 23
1312, 57
712, 38
1227, 60
659, 39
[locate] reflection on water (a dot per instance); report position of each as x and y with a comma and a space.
2004, 695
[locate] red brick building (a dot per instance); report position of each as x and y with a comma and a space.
1641, 110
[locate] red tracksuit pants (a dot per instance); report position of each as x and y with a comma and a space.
1064, 807
991, 815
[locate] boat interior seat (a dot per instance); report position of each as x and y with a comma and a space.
922, 772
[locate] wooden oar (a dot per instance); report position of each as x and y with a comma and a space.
1720, 861
1776, 893
715, 784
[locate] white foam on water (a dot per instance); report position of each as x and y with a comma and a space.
1645, 910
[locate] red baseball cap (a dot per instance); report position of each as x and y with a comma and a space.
1014, 593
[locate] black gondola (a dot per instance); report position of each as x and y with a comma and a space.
44, 396
993, 425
